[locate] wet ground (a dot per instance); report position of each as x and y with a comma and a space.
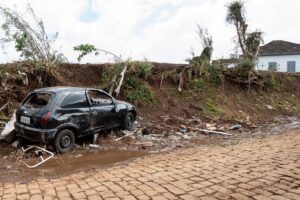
111, 152
72, 162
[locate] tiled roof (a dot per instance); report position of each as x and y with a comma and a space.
279, 47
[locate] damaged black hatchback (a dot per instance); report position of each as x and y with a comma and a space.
60, 115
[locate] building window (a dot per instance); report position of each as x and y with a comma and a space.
291, 66
272, 66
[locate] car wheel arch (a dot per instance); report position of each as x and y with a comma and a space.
74, 129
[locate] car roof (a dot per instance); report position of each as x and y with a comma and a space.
59, 89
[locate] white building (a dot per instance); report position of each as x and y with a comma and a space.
279, 55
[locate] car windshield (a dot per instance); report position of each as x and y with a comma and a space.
38, 100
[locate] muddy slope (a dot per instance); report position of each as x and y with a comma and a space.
227, 102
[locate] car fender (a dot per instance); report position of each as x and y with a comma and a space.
70, 126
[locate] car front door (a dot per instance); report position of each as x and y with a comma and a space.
102, 110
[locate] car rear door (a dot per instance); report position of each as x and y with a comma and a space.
102, 110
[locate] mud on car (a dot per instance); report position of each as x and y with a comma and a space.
60, 115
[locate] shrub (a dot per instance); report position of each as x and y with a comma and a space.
141, 93
215, 75
271, 82
211, 108
197, 84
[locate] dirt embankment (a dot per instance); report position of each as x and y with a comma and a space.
228, 102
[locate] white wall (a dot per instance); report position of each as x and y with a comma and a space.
263, 61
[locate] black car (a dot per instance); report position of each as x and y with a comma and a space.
60, 115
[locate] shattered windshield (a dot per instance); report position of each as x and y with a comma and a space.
38, 100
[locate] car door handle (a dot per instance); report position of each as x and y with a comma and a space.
94, 112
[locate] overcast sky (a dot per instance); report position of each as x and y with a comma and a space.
159, 30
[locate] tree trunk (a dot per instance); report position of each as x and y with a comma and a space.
121, 80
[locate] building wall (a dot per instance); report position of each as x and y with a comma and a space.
263, 62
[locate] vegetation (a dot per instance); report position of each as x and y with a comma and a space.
248, 42
141, 93
211, 108
31, 40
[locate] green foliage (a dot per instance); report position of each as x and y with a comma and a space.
235, 12
243, 68
298, 106
140, 69
85, 49
197, 84
31, 40
273, 67
141, 93
211, 108
215, 75
145, 69
109, 72
271, 82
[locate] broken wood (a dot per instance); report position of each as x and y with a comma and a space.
121, 80
216, 132
126, 135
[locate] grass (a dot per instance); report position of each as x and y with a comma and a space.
211, 108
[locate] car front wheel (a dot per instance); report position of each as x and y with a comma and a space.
128, 121
64, 141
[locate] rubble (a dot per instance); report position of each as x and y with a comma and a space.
38, 152
8, 133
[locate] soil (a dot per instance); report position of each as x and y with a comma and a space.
172, 121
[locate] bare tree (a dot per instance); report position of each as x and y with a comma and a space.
32, 42
117, 80
248, 42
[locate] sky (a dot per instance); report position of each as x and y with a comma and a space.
156, 30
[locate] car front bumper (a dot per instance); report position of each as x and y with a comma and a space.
35, 134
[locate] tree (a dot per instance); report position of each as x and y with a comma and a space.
31, 40
118, 78
201, 63
249, 42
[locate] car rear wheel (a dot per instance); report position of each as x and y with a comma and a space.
64, 141
128, 121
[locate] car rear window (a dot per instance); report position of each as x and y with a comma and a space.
38, 100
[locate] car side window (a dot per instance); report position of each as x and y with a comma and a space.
75, 100
98, 98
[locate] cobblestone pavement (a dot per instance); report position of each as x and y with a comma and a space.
266, 168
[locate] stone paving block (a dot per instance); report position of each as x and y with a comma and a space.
267, 168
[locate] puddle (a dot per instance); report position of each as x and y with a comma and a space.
70, 163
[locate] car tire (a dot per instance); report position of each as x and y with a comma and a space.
64, 141
128, 121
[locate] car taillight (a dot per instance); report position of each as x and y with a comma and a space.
45, 118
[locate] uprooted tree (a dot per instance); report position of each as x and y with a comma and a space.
31, 40
117, 79
201, 63
248, 42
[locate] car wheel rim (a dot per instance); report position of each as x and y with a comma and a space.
65, 141
129, 121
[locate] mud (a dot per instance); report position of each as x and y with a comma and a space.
112, 153
69, 163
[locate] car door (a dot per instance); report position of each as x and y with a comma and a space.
102, 110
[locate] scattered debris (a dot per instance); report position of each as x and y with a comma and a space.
217, 132
269, 107
94, 146
128, 133
38, 152
8, 131
236, 127
15, 144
